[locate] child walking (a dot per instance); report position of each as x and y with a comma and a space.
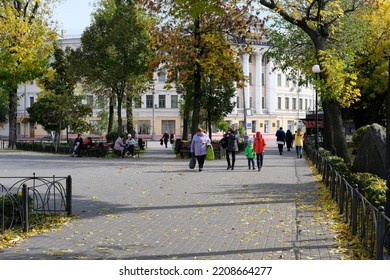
250, 154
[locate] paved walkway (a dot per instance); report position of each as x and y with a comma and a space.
154, 207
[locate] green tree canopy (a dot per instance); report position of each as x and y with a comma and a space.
116, 50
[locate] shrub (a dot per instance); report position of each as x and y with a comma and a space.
111, 136
357, 138
371, 186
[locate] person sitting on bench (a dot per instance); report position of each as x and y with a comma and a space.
130, 145
119, 145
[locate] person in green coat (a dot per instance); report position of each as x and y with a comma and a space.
250, 154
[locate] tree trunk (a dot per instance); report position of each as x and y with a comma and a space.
186, 122
387, 206
335, 133
111, 115
129, 114
13, 110
119, 108
197, 81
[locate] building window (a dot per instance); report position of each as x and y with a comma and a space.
168, 125
31, 100
238, 102
279, 103
138, 103
90, 100
149, 101
300, 104
306, 104
287, 81
254, 124
161, 75
277, 124
100, 102
263, 102
143, 127
250, 58
287, 103
279, 80
294, 103
161, 101
250, 78
174, 101
250, 102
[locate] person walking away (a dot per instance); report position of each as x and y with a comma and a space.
130, 145
172, 138
289, 140
199, 144
259, 148
250, 154
299, 142
280, 139
165, 138
119, 145
77, 144
232, 137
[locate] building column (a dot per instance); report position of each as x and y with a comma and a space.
245, 67
270, 87
258, 83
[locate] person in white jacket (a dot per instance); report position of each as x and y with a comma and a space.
199, 144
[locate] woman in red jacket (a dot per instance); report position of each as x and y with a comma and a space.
259, 147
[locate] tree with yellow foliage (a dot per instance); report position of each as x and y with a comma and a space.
25, 44
324, 25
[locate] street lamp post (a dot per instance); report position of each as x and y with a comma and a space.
153, 106
245, 126
316, 70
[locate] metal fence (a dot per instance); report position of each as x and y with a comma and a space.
26, 201
367, 222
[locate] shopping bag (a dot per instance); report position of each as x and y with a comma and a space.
210, 153
192, 162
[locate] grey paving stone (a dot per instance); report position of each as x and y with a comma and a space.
154, 207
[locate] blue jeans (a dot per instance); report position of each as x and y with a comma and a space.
299, 150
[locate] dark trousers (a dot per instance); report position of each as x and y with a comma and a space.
251, 162
259, 160
233, 158
280, 147
201, 160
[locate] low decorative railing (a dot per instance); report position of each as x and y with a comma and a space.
367, 222
26, 201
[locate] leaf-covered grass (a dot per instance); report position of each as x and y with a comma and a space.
13, 237
347, 243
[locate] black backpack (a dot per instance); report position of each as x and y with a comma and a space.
223, 142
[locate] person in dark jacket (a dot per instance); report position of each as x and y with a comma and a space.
77, 144
232, 145
289, 139
280, 139
165, 138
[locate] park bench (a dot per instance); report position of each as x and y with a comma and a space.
110, 151
185, 150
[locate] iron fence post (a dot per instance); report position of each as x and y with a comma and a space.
69, 195
342, 194
25, 207
380, 226
354, 209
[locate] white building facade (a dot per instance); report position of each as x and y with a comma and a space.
271, 100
